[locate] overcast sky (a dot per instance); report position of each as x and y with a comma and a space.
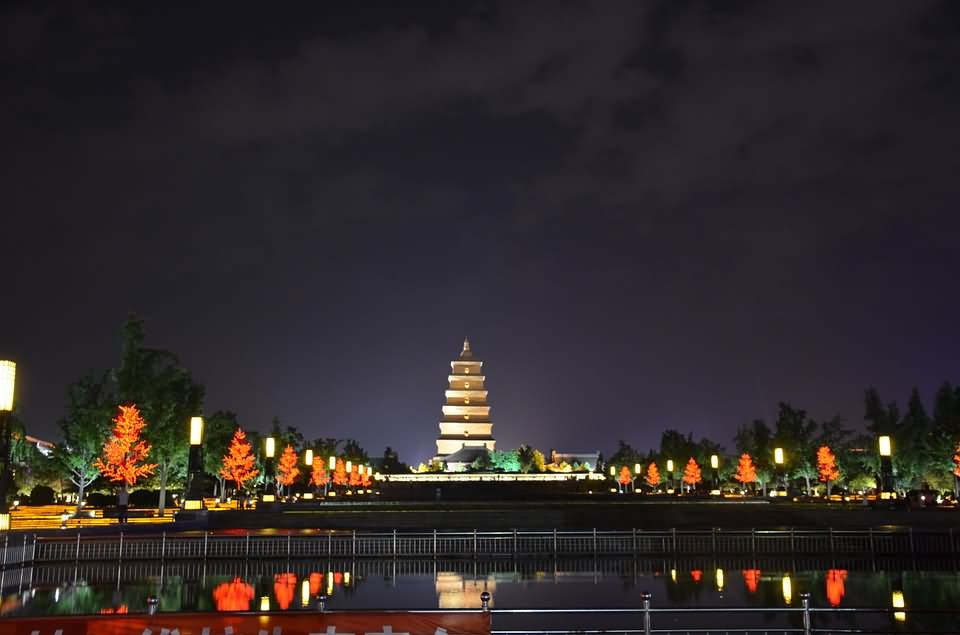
643, 214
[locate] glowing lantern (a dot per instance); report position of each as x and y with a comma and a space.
308, 457
196, 430
899, 603
714, 461
885, 447
778, 456
270, 448
8, 379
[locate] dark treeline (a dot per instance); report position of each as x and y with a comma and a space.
925, 445
167, 395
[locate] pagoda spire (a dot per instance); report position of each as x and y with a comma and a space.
466, 353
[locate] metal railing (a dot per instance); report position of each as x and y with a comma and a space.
874, 542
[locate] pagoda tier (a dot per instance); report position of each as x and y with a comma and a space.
466, 413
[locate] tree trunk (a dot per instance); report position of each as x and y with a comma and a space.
80, 488
222, 495
807, 479
829, 485
764, 486
956, 487
163, 490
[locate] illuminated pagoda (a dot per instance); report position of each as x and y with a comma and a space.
466, 431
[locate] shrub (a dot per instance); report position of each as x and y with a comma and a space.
42, 495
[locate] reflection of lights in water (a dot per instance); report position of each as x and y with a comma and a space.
330, 583
264, 602
899, 603
284, 588
787, 589
752, 579
673, 575
696, 574
305, 593
233, 596
455, 591
346, 578
719, 579
835, 585
56, 595
316, 581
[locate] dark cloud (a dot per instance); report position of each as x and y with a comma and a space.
645, 214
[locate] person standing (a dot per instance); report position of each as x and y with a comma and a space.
123, 501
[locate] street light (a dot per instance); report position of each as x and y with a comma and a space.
670, 476
778, 459
715, 465
193, 501
886, 468
8, 380
636, 473
269, 449
308, 457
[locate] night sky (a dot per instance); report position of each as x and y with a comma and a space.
643, 214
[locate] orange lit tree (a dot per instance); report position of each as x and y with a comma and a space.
339, 473
653, 475
125, 453
827, 466
624, 479
233, 596
355, 479
691, 474
318, 474
746, 473
287, 470
239, 460
365, 478
956, 462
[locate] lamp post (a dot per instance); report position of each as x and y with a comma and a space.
885, 446
636, 473
308, 461
8, 380
269, 448
194, 498
778, 460
715, 465
670, 476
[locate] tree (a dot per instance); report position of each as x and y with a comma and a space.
691, 474
318, 474
625, 478
355, 479
755, 439
287, 470
391, 462
505, 461
238, 463
956, 471
795, 433
167, 395
653, 475
539, 462
827, 466
218, 432
746, 473
84, 428
125, 453
339, 473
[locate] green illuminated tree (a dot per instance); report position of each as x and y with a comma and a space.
167, 397
85, 428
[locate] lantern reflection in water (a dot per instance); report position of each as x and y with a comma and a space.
233, 596
752, 579
284, 588
835, 581
696, 574
316, 582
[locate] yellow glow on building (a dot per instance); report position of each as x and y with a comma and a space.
8, 379
196, 430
